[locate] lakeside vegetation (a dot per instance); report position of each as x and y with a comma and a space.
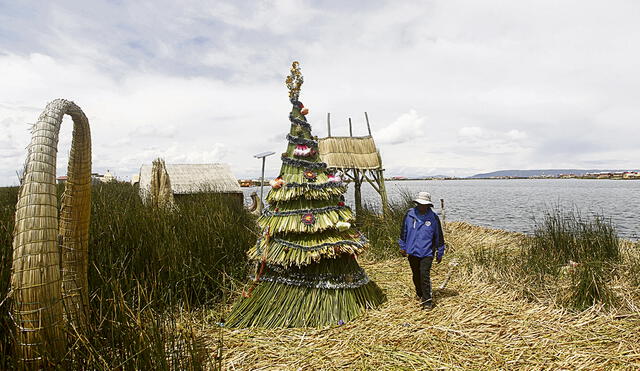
160, 280
147, 267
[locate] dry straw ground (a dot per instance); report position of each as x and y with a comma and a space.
475, 325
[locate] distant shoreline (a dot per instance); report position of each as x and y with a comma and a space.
508, 178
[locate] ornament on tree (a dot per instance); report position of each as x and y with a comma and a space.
334, 178
302, 151
310, 175
304, 111
343, 226
276, 183
308, 219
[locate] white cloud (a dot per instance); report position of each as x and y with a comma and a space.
470, 131
516, 134
502, 84
406, 127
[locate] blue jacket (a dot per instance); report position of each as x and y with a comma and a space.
422, 239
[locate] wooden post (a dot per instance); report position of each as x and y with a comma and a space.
328, 124
350, 129
368, 126
383, 192
444, 214
357, 183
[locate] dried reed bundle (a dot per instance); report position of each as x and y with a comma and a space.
291, 193
303, 249
160, 193
291, 223
41, 245
350, 152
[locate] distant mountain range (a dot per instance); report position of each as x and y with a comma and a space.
545, 172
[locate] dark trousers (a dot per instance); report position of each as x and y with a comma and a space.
421, 269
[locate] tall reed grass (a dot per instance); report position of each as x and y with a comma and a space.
383, 230
8, 199
147, 266
586, 247
570, 257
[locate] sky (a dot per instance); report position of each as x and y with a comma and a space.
451, 87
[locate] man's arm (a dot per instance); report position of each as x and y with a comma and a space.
439, 240
403, 235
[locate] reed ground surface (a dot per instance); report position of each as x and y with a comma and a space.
477, 323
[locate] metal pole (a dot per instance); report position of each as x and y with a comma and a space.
350, 130
329, 124
262, 185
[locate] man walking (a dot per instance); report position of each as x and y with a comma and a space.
421, 239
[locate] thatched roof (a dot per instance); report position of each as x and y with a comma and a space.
194, 178
350, 152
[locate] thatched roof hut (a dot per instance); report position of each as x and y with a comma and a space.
194, 178
350, 153
358, 159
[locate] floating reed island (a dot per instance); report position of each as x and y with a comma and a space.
480, 321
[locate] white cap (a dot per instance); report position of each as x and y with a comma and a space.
424, 198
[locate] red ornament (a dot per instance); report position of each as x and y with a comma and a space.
308, 219
340, 203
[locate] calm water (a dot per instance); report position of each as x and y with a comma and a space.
513, 204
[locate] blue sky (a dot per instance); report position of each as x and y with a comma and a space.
451, 87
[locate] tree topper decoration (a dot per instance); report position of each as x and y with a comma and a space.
294, 82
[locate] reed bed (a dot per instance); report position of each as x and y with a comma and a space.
8, 199
148, 268
475, 325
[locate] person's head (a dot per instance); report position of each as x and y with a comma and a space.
423, 202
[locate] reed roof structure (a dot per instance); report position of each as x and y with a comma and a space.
194, 178
350, 153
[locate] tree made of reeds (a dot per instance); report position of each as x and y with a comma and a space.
306, 271
50, 246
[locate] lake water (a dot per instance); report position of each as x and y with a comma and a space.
512, 204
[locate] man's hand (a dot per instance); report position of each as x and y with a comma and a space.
403, 253
439, 259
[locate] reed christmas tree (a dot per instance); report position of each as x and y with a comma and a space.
306, 271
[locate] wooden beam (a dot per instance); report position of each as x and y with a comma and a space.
350, 128
368, 126
383, 193
373, 183
349, 175
328, 124
358, 192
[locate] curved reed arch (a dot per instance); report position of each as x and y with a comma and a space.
50, 253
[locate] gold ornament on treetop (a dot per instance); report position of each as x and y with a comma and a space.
294, 81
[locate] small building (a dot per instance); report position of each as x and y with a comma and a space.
62, 179
107, 177
188, 179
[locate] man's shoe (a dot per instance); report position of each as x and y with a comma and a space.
427, 305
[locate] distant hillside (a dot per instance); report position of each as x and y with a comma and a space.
530, 173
